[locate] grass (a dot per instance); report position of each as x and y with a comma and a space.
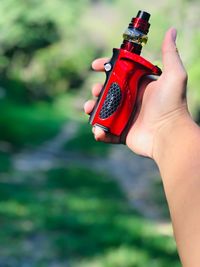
28, 125
5, 162
76, 216
158, 196
68, 216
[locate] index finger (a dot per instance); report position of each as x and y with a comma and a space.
98, 64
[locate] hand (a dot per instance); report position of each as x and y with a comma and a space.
160, 102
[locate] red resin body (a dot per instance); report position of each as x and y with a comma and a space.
117, 100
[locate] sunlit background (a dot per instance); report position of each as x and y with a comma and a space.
66, 200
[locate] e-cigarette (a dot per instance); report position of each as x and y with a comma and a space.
117, 101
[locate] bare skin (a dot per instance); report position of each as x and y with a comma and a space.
165, 132
161, 99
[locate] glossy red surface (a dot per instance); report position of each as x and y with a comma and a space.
127, 71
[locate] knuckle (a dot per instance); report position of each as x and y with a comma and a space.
180, 77
184, 77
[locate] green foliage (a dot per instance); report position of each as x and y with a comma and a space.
72, 216
42, 46
5, 162
76, 215
158, 196
28, 125
46, 47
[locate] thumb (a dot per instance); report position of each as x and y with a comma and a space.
172, 64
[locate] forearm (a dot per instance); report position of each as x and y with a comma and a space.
174, 145
177, 154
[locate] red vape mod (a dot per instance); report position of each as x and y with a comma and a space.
117, 101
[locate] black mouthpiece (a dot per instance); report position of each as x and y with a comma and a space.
143, 15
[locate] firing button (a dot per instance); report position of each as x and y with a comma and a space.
107, 67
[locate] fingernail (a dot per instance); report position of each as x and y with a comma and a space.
174, 34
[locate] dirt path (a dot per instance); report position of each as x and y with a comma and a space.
136, 175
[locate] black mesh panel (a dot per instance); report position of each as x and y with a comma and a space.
112, 101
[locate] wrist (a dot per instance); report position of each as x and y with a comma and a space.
171, 129
176, 152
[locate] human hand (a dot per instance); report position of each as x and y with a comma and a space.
160, 102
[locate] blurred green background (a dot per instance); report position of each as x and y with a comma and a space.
66, 200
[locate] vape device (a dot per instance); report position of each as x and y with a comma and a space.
117, 101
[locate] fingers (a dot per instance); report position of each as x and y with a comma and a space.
172, 64
88, 106
96, 89
99, 133
102, 136
169, 50
98, 64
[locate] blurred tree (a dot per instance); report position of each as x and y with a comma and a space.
42, 47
